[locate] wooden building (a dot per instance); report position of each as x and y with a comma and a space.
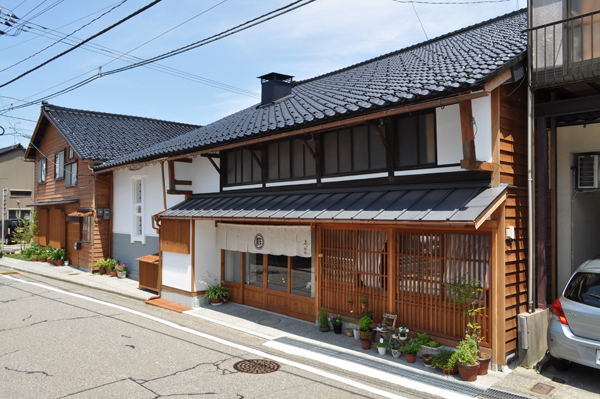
381, 181
73, 205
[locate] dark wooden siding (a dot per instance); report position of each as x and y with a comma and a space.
175, 236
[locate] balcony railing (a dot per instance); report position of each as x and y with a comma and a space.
567, 51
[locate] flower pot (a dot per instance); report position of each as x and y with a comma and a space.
114, 273
484, 364
381, 350
58, 262
366, 343
349, 332
216, 301
121, 274
102, 270
43, 259
427, 359
396, 353
411, 357
429, 350
356, 333
324, 329
468, 373
366, 335
337, 329
449, 371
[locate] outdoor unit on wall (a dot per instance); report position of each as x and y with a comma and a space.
587, 176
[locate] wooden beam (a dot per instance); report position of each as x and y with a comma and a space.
183, 182
211, 155
184, 160
383, 140
258, 162
466, 128
498, 287
171, 165
183, 192
162, 170
477, 165
491, 209
213, 163
310, 150
495, 104
498, 80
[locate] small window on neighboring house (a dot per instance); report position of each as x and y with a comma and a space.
138, 211
41, 170
87, 229
71, 174
71, 153
59, 165
25, 214
20, 193
13, 213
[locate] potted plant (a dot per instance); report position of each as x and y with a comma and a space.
467, 354
57, 256
382, 346
110, 265
411, 349
363, 302
323, 320
336, 322
427, 359
101, 265
464, 291
350, 299
396, 347
216, 293
121, 270
446, 361
349, 331
428, 345
364, 326
403, 333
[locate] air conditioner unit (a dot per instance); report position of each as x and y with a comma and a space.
587, 167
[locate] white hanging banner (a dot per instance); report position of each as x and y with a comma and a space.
273, 240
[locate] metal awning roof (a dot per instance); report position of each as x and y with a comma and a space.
47, 203
459, 203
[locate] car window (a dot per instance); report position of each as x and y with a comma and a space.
584, 288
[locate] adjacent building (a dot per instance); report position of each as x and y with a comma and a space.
17, 177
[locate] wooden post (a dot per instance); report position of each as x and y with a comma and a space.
466, 128
498, 286
495, 105
391, 261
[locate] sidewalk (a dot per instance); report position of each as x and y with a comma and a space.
303, 339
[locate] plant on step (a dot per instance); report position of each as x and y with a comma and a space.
444, 359
215, 288
60, 254
365, 323
110, 264
467, 351
323, 318
46, 251
121, 267
465, 292
412, 347
425, 340
335, 320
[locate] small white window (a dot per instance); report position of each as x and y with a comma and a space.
59, 165
137, 233
41, 171
87, 229
71, 174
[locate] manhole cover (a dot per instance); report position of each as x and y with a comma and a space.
9, 273
269, 321
542, 389
256, 366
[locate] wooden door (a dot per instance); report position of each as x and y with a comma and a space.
73, 235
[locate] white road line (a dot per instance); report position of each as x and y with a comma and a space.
291, 363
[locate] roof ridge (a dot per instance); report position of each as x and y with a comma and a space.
51, 107
417, 45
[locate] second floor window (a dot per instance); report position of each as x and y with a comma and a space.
242, 167
59, 165
415, 140
71, 174
41, 170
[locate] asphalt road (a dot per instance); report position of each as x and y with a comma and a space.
80, 343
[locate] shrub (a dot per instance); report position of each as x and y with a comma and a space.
323, 318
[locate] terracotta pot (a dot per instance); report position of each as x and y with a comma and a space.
43, 259
337, 329
366, 335
102, 270
484, 364
468, 373
411, 357
427, 359
449, 371
113, 273
217, 300
349, 332
59, 262
366, 343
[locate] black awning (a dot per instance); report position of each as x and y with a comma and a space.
426, 204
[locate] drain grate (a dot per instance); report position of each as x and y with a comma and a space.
256, 366
492, 393
543, 389
9, 273
269, 321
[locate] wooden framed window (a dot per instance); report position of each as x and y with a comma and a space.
59, 165
242, 167
87, 229
137, 230
41, 170
71, 174
71, 153
355, 150
290, 159
415, 140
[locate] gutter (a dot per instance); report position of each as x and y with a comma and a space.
530, 192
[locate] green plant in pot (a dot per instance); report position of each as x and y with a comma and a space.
467, 355
336, 322
446, 361
364, 326
382, 346
411, 349
216, 293
323, 319
396, 347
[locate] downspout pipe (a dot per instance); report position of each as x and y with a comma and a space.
530, 171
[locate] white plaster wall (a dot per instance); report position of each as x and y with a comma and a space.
208, 256
482, 112
153, 198
570, 141
449, 137
177, 271
205, 178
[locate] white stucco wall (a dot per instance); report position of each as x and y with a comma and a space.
177, 271
578, 214
449, 137
482, 113
208, 256
204, 176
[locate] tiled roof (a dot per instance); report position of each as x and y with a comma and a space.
6, 150
459, 61
102, 136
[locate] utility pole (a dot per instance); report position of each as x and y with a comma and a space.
4, 195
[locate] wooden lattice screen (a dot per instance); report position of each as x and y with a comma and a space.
355, 263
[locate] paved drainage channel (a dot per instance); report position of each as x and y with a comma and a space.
432, 380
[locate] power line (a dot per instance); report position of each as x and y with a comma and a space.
229, 32
20, 26
449, 4
56, 42
85, 41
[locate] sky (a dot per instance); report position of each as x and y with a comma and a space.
207, 83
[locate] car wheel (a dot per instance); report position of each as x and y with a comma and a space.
560, 364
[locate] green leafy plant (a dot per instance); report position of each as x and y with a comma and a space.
365, 323
443, 359
363, 300
335, 320
467, 351
121, 267
403, 330
464, 291
383, 344
396, 344
412, 347
216, 291
25, 231
110, 264
323, 318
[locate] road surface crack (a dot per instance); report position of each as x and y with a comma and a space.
28, 372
